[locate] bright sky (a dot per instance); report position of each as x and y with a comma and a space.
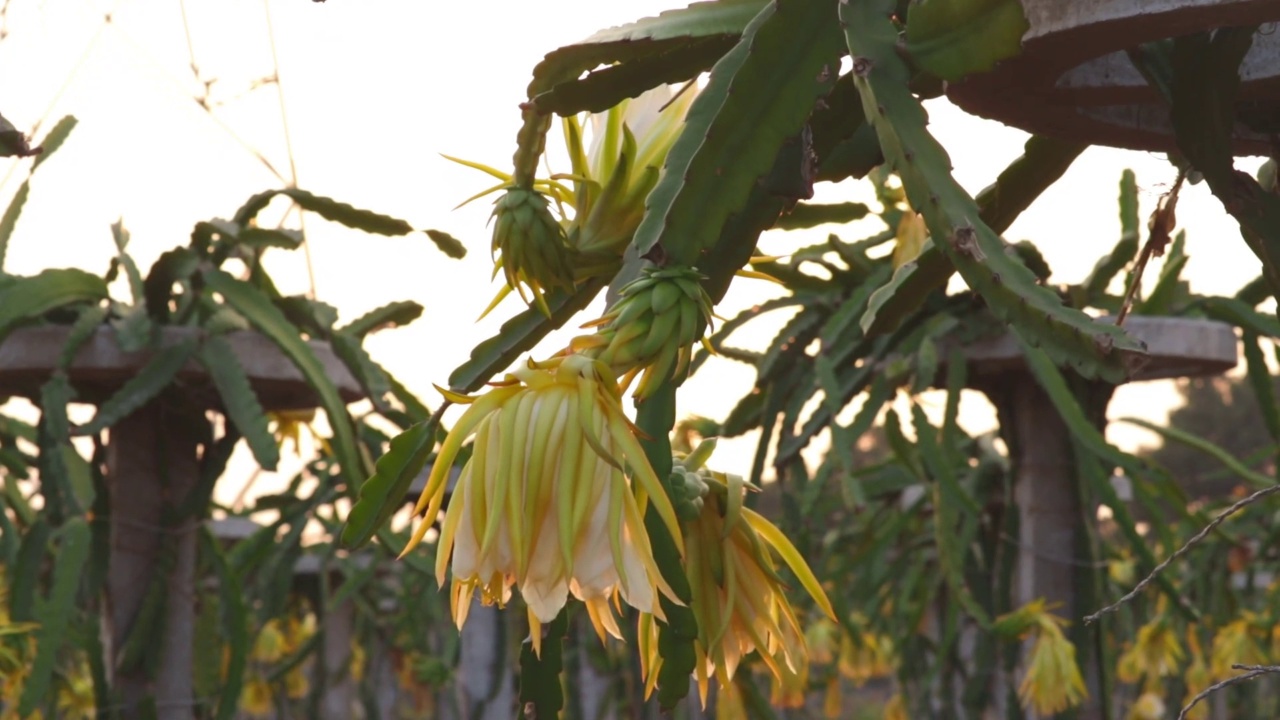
372, 93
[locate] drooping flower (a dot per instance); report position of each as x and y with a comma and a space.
739, 600
545, 502
867, 656
255, 698
1155, 654
1148, 706
1052, 681
1236, 644
1197, 677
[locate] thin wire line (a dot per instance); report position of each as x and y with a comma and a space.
180, 84
1235, 507
288, 144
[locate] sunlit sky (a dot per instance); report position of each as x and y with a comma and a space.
369, 95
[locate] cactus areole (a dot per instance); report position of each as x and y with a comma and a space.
1087, 72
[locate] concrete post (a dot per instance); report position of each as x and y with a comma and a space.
152, 469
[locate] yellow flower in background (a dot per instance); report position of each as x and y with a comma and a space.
255, 699
866, 656
1149, 706
823, 640
75, 696
730, 704
296, 683
358, 661
544, 503
271, 644
288, 427
1155, 654
1052, 682
788, 690
1236, 644
1121, 569
896, 708
738, 597
833, 699
1197, 677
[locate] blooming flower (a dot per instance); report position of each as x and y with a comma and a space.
738, 596
544, 503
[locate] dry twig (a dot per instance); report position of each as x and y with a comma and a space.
1253, 671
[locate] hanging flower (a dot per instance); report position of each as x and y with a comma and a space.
738, 597
255, 699
544, 503
1236, 644
1148, 706
896, 708
1155, 654
1197, 677
1052, 682
866, 656
788, 690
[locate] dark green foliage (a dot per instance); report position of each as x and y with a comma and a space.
541, 695
519, 334
55, 612
1009, 289
712, 167
384, 492
1205, 85
955, 38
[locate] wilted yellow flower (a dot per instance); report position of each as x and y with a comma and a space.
255, 699
1155, 654
271, 643
788, 690
544, 503
1121, 569
296, 683
823, 640
75, 696
1149, 706
896, 708
1197, 677
1052, 682
833, 699
1236, 644
358, 660
867, 655
729, 703
738, 596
